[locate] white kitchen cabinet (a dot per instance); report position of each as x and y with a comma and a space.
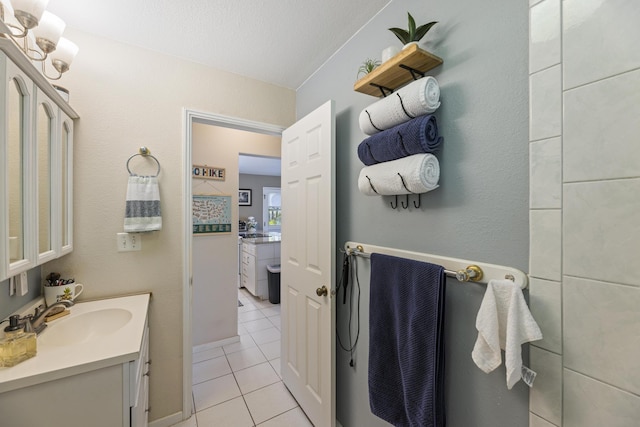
255, 258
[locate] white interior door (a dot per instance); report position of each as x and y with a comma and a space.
308, 263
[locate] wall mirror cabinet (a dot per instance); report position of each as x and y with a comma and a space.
36, 146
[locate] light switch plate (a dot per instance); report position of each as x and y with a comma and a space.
128, 242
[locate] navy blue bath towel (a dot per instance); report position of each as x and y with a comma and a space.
419, 135
406, 346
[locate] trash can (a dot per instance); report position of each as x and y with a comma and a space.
274, 283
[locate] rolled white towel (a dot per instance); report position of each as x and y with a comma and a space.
415, 99
420, 173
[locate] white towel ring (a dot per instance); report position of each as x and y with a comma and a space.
144, 152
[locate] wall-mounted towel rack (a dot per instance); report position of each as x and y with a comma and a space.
461, 269
404, 205
144, 152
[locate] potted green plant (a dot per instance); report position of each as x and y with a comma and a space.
413, 34
368, 66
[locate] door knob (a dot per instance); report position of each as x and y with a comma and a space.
322, 292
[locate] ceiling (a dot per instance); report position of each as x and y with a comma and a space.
276, 41
256, 165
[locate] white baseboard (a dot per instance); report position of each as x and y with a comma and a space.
215, 344
167, 421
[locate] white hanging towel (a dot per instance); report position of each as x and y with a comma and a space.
410, 175
142, 211
504, 322
413, 100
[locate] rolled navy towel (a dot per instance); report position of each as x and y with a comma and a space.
419, 135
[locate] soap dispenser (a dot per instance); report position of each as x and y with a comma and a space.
17, 345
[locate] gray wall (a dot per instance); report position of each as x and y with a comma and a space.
255, 183
480, 212
9, 304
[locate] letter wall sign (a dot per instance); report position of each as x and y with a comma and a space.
208, 172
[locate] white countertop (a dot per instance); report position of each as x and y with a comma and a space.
272, 238
58, 361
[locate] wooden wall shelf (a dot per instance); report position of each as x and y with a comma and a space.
391, 74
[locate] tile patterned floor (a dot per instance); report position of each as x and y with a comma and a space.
239, 384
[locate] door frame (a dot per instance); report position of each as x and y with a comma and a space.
189, 117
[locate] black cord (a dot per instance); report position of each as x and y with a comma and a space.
351, 266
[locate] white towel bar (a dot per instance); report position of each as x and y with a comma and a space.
463, 270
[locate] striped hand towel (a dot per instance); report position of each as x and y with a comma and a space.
143, 205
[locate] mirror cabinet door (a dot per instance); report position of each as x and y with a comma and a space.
46, 171
66, 194
36, 177
15, 165
20, 218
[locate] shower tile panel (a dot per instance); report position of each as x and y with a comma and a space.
588, 402
601, 129
545, 104
599, 39
545, 301
545, 244
536, 421
545, 398
544, 35
601, 321
601, 230
545, 174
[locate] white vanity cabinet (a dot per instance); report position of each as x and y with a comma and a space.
138, 389
100, 381
108, 397
255, 258
36, 148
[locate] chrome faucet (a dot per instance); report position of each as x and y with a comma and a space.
35, 322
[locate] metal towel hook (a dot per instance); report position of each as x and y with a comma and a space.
144, 152
405, 205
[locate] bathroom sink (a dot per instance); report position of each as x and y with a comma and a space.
92, 325
96, 334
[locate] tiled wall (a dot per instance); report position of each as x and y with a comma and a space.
585, 211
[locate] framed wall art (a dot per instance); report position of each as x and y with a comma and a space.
211, 214
244, 197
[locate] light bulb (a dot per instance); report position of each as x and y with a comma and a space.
29, 12
48, 32
62, 57
7, 9
32, 7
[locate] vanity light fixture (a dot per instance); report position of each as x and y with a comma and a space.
32, 21
63, 55
48, 32
28, 13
